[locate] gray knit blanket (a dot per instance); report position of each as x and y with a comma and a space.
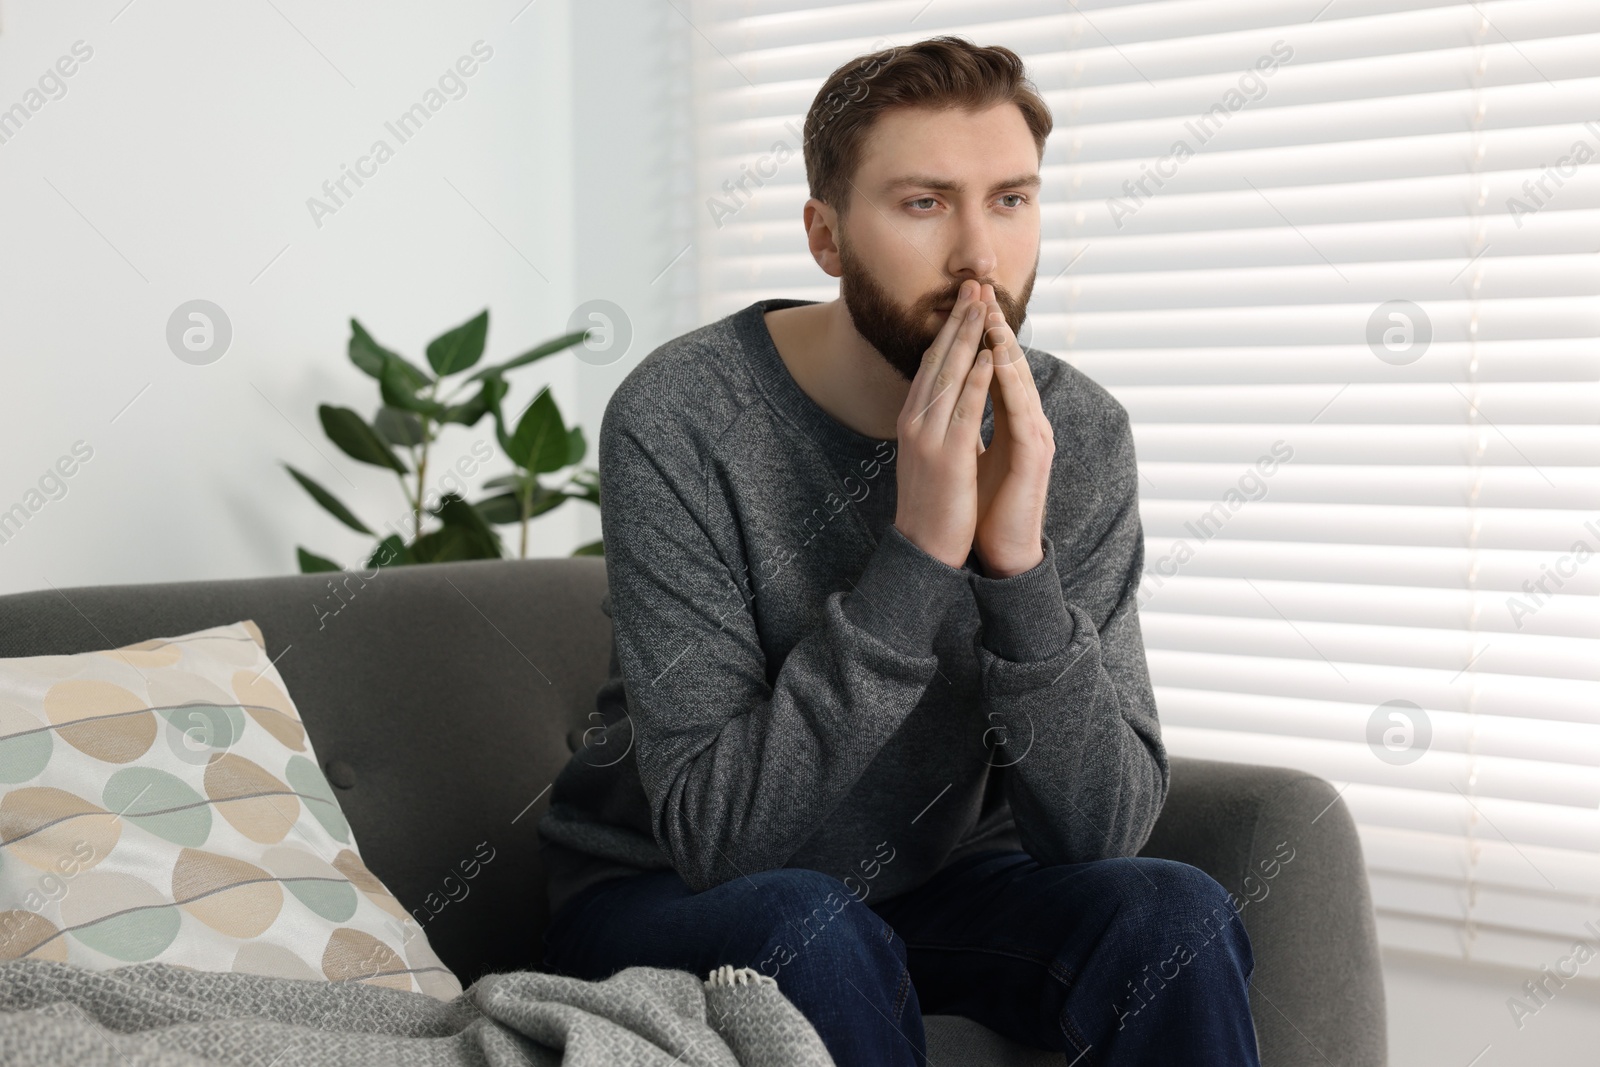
160, 1015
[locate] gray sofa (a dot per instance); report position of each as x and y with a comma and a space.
443, 700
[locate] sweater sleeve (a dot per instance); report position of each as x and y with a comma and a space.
740, 770
1065, 685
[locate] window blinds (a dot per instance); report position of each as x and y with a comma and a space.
1338, 260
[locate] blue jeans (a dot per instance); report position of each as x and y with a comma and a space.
1116, 961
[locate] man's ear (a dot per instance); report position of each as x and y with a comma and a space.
822, 224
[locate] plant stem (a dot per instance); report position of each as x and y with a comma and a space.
416, 506
527, 506
422, 464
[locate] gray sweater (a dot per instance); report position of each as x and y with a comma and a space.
794, 683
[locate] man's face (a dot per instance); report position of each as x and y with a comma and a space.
939, 197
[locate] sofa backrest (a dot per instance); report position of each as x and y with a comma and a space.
441, 699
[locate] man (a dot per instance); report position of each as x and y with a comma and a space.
879, 723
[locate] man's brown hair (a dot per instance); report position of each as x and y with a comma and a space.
940, 72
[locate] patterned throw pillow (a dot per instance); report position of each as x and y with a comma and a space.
162, 802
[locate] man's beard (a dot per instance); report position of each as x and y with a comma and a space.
901, 334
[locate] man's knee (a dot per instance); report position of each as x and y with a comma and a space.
1173, 916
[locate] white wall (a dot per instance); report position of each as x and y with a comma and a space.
1449, 1014
633, 165
177, 166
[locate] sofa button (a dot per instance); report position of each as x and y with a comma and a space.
341, 774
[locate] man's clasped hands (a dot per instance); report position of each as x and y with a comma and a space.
954, 494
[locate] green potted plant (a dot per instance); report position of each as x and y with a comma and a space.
416, 406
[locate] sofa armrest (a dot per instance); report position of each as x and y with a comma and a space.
1283, 843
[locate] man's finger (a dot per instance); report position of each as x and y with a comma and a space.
998, 330
1018, 393
966, 419
945, 383
1014, 395
1007, 349
921, 385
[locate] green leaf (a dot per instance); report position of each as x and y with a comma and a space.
439, 546
495, 401
587, 483
577, 447
328, 501
372, 358
398, 380
514, 481
500, 433
311, 563
499, 510
460, 348
487, 399
456, 513
593, 548
391, 552
366, 353
398, 426
507, 507
566, 340
540, 443
398, 391
545, 500
356, 439
452, 543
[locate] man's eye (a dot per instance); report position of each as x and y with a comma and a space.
1018, 197
927, 201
